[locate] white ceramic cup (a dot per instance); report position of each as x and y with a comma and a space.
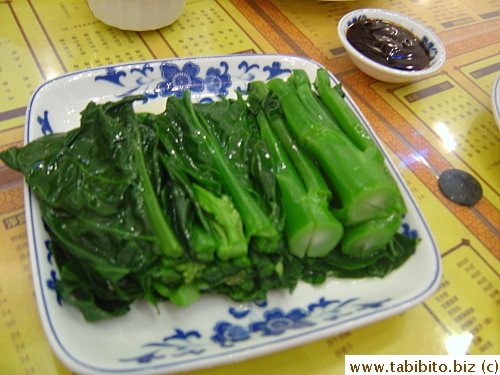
137, 15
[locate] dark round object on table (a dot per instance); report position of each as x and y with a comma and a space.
460, 187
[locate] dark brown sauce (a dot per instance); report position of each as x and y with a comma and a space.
388, 44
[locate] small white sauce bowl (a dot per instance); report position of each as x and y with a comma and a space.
382, 72
137, 15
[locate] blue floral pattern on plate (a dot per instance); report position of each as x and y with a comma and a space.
171, 79
272, 322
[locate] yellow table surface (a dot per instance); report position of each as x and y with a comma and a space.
452, 128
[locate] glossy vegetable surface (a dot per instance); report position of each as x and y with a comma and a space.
229, 197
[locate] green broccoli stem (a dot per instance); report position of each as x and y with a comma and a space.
185, 295
307, 169
166, 237
221, 231
310, 227
333, 98
227, 223
300, 172
299, 82
256, 222
311, 175
247, 154
364, 189
203, 243
363, 240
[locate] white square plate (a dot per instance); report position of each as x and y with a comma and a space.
214, 330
